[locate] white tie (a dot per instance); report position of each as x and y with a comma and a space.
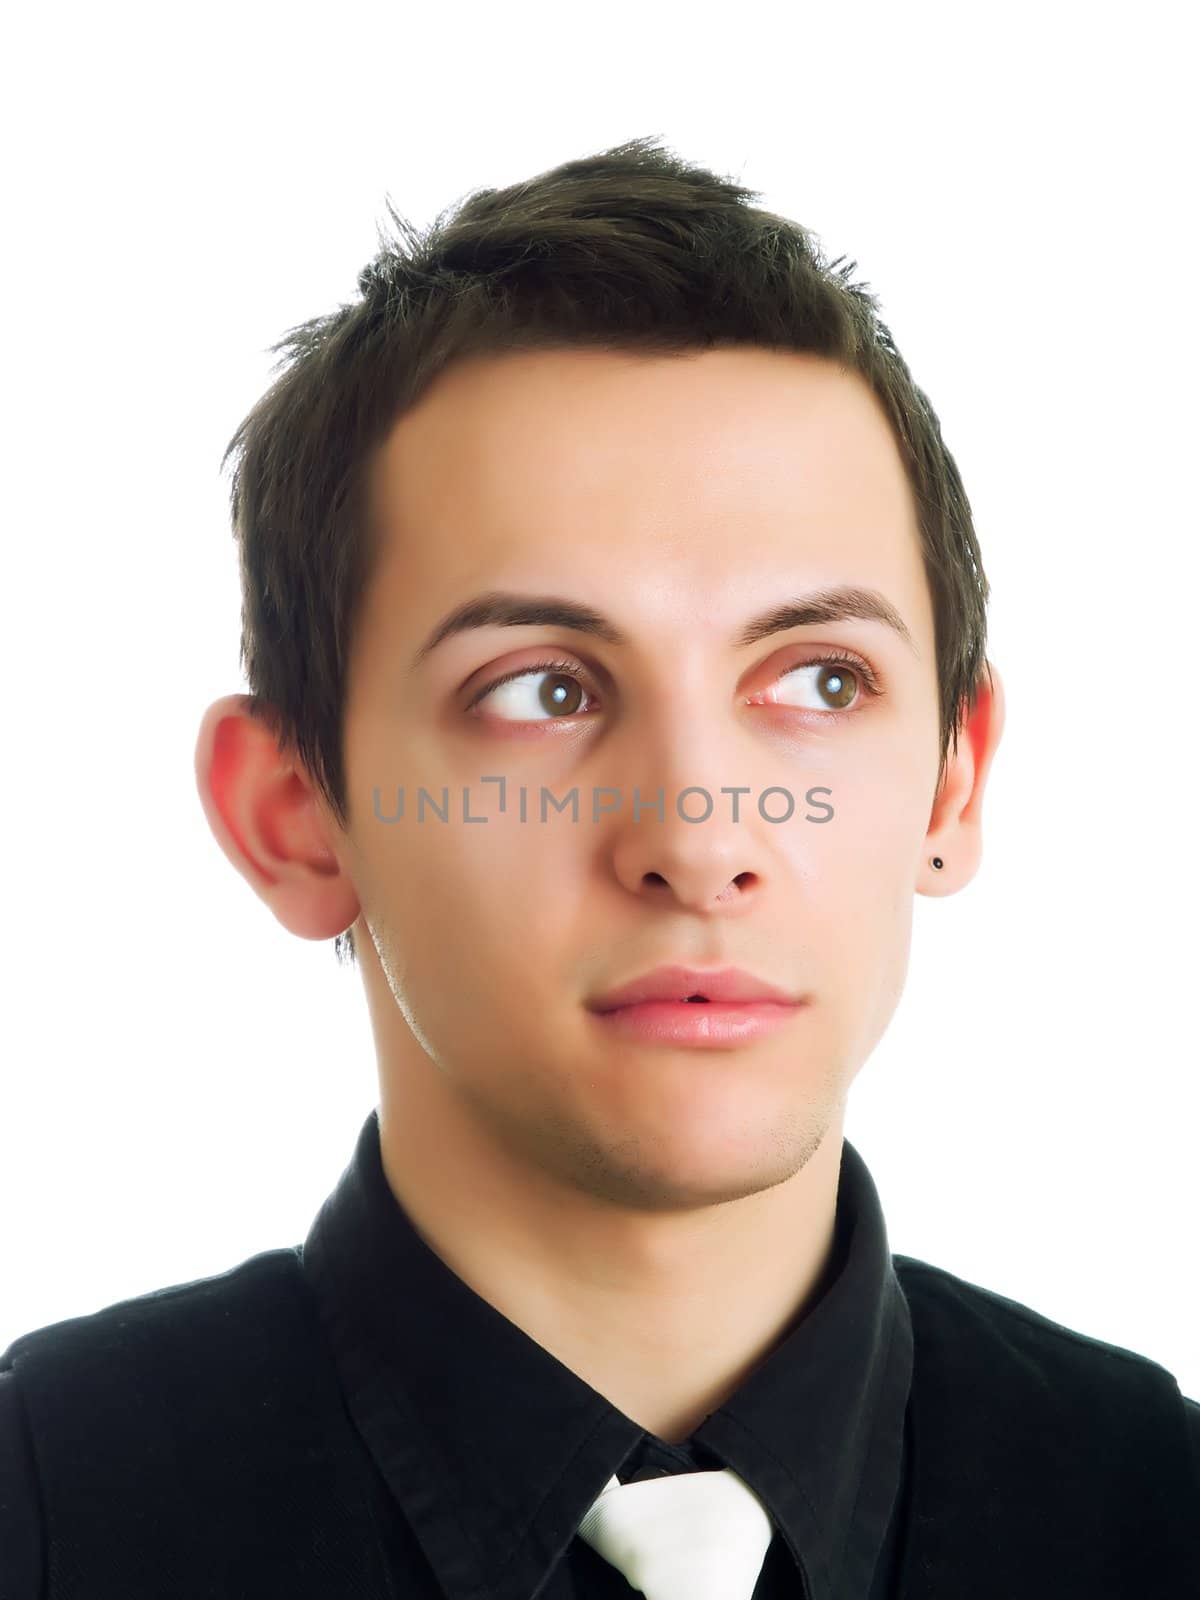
686, 1536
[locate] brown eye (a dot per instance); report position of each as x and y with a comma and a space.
522, 698
818, 686
838, 685
560, 694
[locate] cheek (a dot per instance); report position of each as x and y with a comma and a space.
881, 814
864, 859
860, 871
476, 921
487, 896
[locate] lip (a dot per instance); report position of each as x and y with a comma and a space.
723, 987
683, 1022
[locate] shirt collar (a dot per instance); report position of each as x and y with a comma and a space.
494, 1449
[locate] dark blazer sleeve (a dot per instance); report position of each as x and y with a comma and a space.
20, 1517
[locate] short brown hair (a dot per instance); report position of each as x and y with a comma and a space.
631, 249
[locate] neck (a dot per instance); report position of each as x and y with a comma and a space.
664, 1311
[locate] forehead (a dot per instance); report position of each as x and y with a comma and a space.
725, 471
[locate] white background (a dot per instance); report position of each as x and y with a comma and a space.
182, 1080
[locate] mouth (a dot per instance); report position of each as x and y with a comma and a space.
697, 1021
681, 985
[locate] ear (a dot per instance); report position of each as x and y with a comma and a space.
956, 820
267, 816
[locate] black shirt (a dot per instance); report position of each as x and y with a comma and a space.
494, 1449
485, 1452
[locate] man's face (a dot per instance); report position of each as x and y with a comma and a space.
680, 497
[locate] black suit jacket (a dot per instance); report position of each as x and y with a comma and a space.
347, 1417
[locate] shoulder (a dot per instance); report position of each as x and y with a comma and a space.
972, 1303
89, 1364
20, 1514
209, 1305
970, 1328
1192, 1408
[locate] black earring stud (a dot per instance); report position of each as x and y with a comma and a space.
936, 861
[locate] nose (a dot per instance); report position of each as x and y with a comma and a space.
686, 849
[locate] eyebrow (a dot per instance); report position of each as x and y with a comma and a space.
503, 609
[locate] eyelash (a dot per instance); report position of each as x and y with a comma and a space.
831, 658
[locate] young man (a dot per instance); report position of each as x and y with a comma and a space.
614, 622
